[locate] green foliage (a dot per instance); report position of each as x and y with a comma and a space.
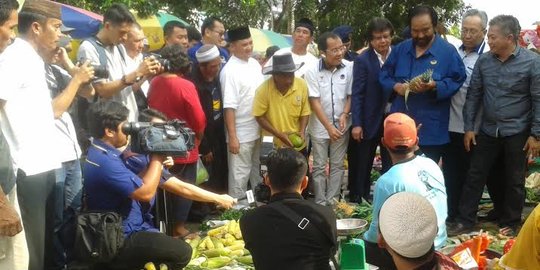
235, 13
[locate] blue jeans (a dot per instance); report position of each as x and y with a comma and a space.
68, 201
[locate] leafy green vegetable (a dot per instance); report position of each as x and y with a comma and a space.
364, 210
375, 174
532, 195
232, 214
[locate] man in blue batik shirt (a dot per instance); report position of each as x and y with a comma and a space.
110, 186
429, 102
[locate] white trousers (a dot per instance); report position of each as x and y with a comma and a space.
13, 250
244, 167
333, 152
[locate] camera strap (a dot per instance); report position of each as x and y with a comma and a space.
101, 51
304, 224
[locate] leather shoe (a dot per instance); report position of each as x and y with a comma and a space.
491, 216
459, 228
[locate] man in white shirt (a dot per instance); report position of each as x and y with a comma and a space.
13, 248
329, 82
133, 47
27, 121
302, 37
103, 50
240, 78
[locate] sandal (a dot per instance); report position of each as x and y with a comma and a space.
509, 231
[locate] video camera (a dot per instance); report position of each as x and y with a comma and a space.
171, 138
262, 191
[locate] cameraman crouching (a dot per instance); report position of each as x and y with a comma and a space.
289, 232
137, 163
111, 186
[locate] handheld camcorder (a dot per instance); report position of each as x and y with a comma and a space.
170, 138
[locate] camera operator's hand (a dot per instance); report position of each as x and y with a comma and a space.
168, 162
234, 145
225, 201
158, 157
83, 73
149, 66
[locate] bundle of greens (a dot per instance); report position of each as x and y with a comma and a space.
425, 77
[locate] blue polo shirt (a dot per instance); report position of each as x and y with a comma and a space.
109, 184
431, 109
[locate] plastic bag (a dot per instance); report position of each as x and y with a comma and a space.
202, 173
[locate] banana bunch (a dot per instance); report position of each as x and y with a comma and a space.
222, 246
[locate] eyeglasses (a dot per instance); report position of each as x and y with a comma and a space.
336, 51
472, 32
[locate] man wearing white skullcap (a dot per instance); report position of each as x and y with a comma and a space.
407, 229
213, 148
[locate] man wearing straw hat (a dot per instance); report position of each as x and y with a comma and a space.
239, 79
281, 105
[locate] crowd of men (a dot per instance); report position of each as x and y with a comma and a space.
447, 120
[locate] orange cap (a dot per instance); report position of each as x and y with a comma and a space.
399, 131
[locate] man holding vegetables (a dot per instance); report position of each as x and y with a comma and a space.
281, 105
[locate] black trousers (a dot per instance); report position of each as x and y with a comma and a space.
456, 163
36, 200
433, 152
360, 156
178, 206
142, 247
379, 257
485, 154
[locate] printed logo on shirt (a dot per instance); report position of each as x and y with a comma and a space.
298, 100
342, 76
433, 62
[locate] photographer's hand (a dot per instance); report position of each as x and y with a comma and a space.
149, 66
84, 73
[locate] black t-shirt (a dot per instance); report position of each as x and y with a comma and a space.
275, 242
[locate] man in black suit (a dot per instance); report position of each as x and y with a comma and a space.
289, 232
369, 104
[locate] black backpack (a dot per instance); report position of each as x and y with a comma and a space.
98, 237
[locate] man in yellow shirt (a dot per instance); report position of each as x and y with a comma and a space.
281, 104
